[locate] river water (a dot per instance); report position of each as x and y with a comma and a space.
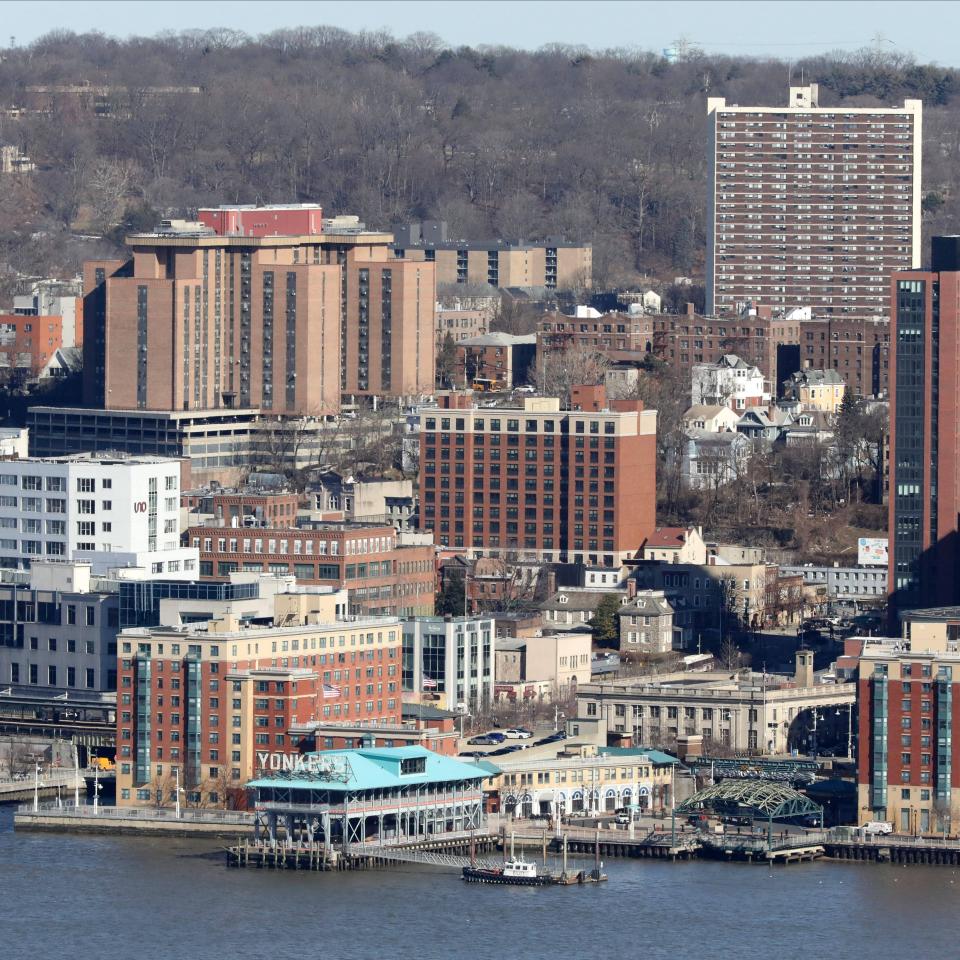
102, 897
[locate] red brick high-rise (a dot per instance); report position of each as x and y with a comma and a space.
539, 482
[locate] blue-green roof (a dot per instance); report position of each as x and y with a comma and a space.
656, 757
371, 769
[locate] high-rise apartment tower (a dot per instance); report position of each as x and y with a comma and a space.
811, 206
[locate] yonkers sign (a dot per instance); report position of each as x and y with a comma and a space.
291, 764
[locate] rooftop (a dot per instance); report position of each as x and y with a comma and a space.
372, 769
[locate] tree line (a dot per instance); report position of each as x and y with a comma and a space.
606, 147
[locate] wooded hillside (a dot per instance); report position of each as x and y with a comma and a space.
607, 147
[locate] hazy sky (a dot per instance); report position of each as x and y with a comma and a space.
786, 29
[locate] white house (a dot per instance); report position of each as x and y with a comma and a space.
714, 418
712, 459
730, 382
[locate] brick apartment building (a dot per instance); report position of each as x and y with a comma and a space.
857, 347
605, 332
755, 335
272, 308
209, 698
908, 762
811, 205
553, 263
538, 482
384, 577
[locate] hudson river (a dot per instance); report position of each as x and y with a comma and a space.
99, 898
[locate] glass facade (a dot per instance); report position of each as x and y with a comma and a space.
909, 445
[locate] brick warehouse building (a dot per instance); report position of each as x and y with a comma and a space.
924, 501
264, 307
382, 574
811, 205
207, 698
539, 482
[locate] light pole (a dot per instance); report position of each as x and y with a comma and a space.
176, 772
96, 789
36, 786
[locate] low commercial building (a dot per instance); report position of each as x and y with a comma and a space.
384, 576
58, 633
380, 796
557, 661
372, 500
495, 361
451, 660
759, 713
202, 702
587, 780
858, 584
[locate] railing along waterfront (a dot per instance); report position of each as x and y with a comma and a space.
88, 812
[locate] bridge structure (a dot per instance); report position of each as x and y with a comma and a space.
756, 799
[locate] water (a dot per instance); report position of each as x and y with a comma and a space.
102, 897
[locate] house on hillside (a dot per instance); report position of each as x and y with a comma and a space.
646, 624
712, 459
714, 418
730, 382
674, 545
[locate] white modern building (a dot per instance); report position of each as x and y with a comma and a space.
451, 658
116, 513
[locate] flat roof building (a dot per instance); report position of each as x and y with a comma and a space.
206, 698
811, 205
538, 482
111, 511
267, 307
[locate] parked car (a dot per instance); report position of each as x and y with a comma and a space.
517, 733
483, 739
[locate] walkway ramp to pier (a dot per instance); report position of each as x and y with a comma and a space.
434, 858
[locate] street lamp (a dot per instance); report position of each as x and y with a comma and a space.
178, 791
36, 786
96, 789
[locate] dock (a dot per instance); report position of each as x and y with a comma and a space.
142, 821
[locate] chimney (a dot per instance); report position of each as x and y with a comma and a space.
691, 311
803, 675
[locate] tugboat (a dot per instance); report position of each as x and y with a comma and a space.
522, 873
517, 872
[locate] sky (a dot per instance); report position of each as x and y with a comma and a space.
782, 28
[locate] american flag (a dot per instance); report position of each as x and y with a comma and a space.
330, 691
428, 683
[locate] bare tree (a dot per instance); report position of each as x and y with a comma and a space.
561, 369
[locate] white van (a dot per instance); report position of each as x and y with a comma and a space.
875, 828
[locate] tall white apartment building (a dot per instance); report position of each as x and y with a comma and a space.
116, 513
811, 205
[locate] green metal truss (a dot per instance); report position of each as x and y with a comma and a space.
761, 798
